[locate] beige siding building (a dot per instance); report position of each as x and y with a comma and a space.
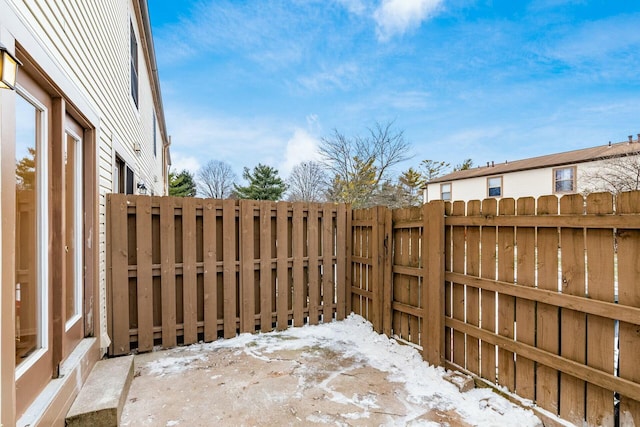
577, 171
85, 119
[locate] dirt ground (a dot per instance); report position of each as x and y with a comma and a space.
228, 387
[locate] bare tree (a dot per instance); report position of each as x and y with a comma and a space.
216, 179
349, 159
307, 183
614, 174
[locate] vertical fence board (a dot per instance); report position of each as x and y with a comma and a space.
472, 260
266, 271
314, 285
629, 295
119, 274
168, 271
573, 323
415, 283
600, 339
375, 274
548, 326
525, 310
144, 279
386, 265
282, 299
247, 267
401, 282
342, 245
349, 252
298, 270
189, 279
229, 267
488, 299
433, 278
458, 291
210, 282
506, 304
327, 265
448, 286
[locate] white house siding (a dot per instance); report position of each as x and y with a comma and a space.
534, 183
526, 183
89, 41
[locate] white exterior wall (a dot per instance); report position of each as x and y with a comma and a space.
87, 44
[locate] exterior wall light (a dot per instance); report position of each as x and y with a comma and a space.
8, 68
142, 189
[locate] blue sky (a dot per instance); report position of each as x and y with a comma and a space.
263, 81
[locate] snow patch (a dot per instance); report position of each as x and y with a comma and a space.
355, 340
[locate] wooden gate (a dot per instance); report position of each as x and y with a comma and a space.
397, 265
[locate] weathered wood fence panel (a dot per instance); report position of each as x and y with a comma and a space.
567, 278
186, 269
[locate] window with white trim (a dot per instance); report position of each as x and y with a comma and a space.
564, 180
445, 191
494, 186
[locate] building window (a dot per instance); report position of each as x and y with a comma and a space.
134, 65
122, 177
494, 186
445, 191
564, 180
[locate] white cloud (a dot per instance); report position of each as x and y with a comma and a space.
301, 147
343, 76
397, 16
199, 135
357, 7
181, 161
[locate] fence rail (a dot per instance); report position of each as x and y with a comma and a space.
538, 296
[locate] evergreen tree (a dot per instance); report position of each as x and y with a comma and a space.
431, 169
411, 180
466, 165
357, 185
182, 184
264, 184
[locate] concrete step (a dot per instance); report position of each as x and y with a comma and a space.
100, 402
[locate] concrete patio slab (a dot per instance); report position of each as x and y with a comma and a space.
292, 378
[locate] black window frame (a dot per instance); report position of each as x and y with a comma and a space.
134, 65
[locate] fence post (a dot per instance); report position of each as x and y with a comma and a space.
433, 246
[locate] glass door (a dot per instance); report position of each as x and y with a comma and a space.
32, 293
73, 237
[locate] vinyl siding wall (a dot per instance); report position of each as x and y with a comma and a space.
90, 42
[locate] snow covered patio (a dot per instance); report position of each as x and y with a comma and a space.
340, 373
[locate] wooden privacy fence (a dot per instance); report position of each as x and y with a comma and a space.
543, 298
540, 296
186, 269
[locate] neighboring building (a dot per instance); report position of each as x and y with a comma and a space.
85, 119
575, 171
